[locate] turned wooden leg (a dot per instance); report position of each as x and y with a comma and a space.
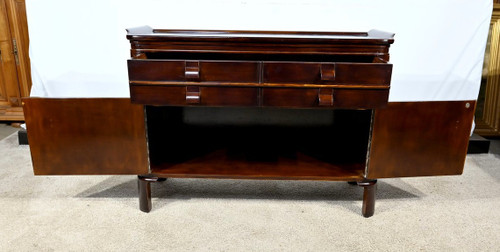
144, 184
368, 197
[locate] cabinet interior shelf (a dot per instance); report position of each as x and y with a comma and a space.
224, 163
258, 143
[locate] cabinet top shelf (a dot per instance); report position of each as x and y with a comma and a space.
146, 33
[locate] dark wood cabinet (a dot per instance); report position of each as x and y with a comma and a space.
253, 105
259, 86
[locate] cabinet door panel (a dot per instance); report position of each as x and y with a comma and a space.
86, 136
420, 139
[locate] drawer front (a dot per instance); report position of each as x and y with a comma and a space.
197, 71
194, 95
324, 98
368, 74
268, 97
357, 98
290, 97
229, 71
288, 72
175, 83
156, 70
363, 73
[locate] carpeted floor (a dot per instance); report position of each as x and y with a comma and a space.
100, 213
6, 130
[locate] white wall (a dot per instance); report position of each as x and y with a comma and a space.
79, 49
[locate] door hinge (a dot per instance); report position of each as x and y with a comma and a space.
14, 43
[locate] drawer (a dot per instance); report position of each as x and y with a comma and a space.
290, 97
191, 70
194, 95
364, 74
324, 97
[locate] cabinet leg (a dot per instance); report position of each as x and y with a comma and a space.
370, 188
144, 185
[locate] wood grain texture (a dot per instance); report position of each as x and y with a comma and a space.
290, 97
342, 73
174, 95
208, 96
146, 42
222, 164
420, 139
146, 33
9, 84
19, 31
208, 71
86, 136
360, 98
259, 72
309, 98
275, 69
9, 113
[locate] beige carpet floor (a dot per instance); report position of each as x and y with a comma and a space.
100, 213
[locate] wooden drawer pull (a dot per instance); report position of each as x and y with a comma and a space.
327, 72
192, 71
193, 95
325, 97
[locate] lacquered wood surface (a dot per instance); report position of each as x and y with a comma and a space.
359, 99
145, 43
220, 164
257, 72
208, 96
420, 139
369, 195
86, 136
172, 95
144, 188
268, 72
282, 69
146, 33
290, 97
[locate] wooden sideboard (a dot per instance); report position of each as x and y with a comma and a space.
252, 105
263, 79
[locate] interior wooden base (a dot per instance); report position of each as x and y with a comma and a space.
223, 164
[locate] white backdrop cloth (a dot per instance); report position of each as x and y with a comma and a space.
79, 49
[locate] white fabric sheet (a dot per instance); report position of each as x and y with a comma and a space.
79, 49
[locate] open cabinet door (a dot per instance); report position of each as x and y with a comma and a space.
420, 139
86, 136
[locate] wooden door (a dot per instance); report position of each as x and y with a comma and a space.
420, 139
86, 136
15, 75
